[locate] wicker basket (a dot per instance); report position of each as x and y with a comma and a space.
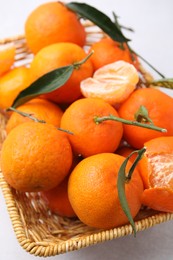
39, 231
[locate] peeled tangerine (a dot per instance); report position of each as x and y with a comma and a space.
113, 82
156, 169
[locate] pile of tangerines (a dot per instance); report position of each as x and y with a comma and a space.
74, 157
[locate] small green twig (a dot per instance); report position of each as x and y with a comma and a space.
30, 116
149, 64
79, 63
98, 120
138, 158
26, 115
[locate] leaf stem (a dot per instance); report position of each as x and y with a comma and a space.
148, 63
140, 154
98, 120
35, 119
79, 63
122, 180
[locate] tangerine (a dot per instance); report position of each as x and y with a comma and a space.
159, 106
51, 23
58, 55
39, 108
108, 51
7, 56
57, 200
12, 83
93, 194
89, 137
35, 157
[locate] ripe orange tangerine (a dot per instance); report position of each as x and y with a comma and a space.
57, 200
59, 55
159, 106
50, 23
12, 83
35, 157
41, 109
93, 194
89, 137
107, 51
7, 56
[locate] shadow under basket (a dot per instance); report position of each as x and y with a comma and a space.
39, 231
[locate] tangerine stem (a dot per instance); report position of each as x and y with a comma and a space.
138, 158
149, 64
79, 63
35, 119
98, 120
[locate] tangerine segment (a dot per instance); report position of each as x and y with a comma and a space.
158, 198
156, 167
7, 55
88, 137
159, 106
92, 191
162, 170
12, 83
51, 23
35, 157
113, 82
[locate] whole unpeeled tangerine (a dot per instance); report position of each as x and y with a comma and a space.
35, 157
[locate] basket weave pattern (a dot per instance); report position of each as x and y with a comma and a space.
41, 232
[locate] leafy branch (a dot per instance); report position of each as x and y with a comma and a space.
112, 29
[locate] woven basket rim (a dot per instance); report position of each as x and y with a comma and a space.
51, 249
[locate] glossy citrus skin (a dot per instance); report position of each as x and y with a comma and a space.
93, 193
59, 55
107, 51
38, 108
159, 106
12, 83
35, 157
7, 56
88, 137
51, 23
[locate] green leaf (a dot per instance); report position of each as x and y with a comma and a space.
123, 180
45, 84
165, 83
99, 19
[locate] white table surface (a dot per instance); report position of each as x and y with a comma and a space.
153, 39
